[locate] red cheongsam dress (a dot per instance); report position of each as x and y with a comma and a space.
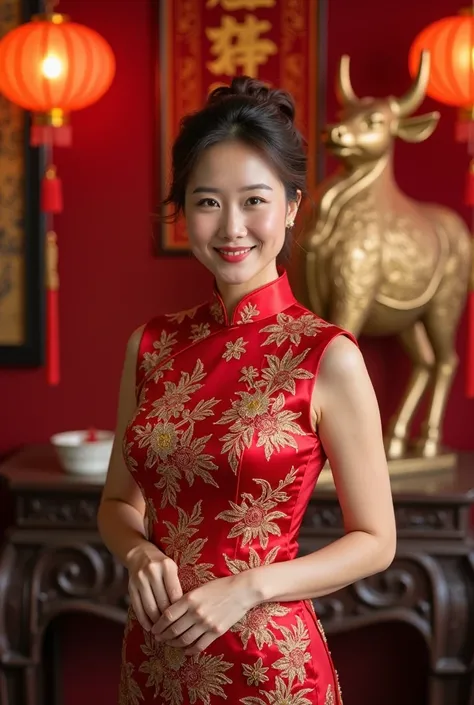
224, 452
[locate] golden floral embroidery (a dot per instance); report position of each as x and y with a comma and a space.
321, 629
249, 375
154, 667
170, 671
174, 452
248, 312
282, 695
254, 518
188, 460
257, 623
237, 565
293, 647
203, 676
257, 412
281, 374
151, 517
162, 350
129, 691
216, 312
186, 553
293, 329
131, 619
255, 674
199, 331
339, 691
127, 455
181, 315
234, 350
172, 403
330, 698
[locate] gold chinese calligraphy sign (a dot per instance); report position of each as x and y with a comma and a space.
204, 43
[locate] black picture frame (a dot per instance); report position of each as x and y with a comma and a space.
31, 352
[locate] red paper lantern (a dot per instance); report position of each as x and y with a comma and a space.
450, 42
51, 66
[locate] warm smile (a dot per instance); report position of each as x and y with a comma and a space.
234, 254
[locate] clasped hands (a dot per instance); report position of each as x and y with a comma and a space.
193, 620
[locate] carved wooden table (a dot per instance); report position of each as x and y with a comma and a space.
52, 560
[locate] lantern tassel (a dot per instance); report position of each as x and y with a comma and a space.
60, 136
52, 296
469, 193
470, 346
51, 192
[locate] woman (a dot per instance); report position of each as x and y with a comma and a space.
227, 413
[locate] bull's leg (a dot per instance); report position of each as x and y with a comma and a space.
441, 321
418, 347
441, 324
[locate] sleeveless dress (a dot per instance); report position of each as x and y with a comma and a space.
223, 450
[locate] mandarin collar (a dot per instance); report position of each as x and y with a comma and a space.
266, 301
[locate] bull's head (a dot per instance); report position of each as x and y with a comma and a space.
368, 126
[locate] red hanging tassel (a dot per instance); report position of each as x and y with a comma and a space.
461, 131
51, 192
470, 346
470, 335
52, 311
469, 194
46, 134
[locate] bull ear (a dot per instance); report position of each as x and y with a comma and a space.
419, 128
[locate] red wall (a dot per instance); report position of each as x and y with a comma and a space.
110, 282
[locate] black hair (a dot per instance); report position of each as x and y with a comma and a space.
250, 112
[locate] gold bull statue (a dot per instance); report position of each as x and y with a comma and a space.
378, 263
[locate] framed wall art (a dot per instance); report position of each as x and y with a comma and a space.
204, 43
22, 299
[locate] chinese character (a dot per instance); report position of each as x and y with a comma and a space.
230, 5
237, 44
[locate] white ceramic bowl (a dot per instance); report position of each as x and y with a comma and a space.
79, 457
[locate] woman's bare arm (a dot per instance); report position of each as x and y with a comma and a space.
122, 507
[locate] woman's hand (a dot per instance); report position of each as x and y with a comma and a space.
205, 613
153, 583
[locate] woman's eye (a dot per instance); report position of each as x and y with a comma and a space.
208, 202
254, 200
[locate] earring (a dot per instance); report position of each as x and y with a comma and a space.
290, 224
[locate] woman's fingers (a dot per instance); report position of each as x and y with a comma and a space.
138, 608
171, 581
153, 587
177, 628
201, 644
149, 602
187, 638
159, 591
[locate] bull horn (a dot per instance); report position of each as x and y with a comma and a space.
408, 103
344, 91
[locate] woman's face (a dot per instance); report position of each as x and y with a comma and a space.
236, 213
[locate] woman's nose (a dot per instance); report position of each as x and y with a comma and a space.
233, 225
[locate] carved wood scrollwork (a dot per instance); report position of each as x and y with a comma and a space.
410, 519
402, 592
48, 511
42, 581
